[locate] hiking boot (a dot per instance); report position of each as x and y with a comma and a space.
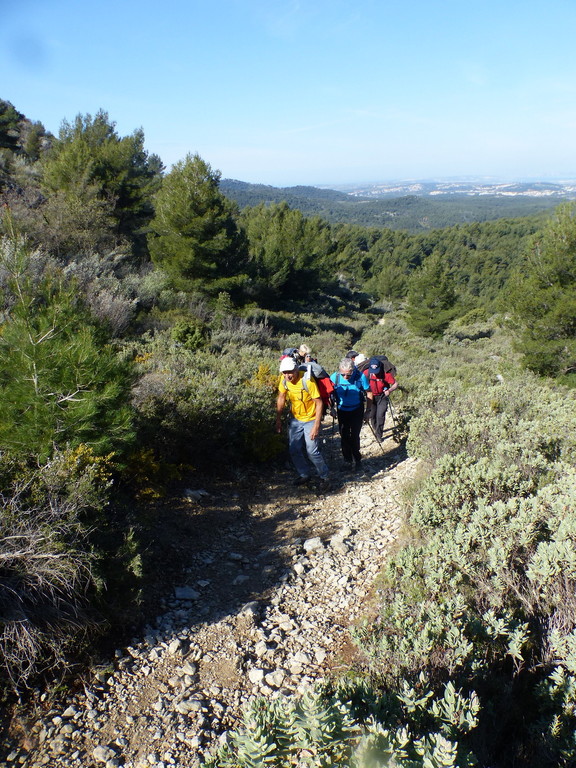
346, 466
324, 484
302, 480
358, 466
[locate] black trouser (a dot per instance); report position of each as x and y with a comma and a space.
350, 424
377, 414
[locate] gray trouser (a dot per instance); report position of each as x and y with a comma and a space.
303, 450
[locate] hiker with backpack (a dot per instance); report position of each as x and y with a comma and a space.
302, 354
351, 389
312, 369
380, 377
305, 420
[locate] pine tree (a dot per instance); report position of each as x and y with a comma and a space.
431, 297
9, 119
288, 252
194, 237
61, 383
91, 167
543, 294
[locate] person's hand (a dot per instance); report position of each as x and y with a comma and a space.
278, 424
314, 432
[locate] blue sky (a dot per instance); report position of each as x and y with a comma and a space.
321, 92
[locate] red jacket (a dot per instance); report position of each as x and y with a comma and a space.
379, 383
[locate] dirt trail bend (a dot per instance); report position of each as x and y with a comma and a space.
275, 575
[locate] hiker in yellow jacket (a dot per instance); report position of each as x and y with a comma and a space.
305, 420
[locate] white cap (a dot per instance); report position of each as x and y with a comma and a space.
360, 359
288, 364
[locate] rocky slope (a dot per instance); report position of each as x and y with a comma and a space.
275, 577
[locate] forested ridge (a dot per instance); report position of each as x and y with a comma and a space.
142, 317
411, 213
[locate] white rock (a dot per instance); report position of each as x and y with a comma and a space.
189, 668
260, 648
103, 754
252, 608
185, 706
287, 625
256, 675
175, 645
319, 654
339, 546
275, 679
313, 544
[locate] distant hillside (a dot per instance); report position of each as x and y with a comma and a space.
254, 194
413, 213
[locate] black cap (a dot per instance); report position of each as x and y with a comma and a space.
352, 354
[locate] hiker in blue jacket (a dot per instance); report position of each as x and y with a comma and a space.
351, 389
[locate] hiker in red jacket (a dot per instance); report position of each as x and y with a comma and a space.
381, 384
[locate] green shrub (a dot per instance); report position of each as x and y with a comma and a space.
326, 728
482, 593
472, 326
461, 481
209, 409
191, 334
61, 382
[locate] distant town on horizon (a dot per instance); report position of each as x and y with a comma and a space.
565, 188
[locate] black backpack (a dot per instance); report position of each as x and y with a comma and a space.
379, 365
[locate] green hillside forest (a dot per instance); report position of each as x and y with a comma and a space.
411, 213
143, 313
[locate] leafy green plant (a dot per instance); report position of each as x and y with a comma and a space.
322, 728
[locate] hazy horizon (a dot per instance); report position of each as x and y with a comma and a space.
413, 180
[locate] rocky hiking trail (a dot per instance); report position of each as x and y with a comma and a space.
275, 576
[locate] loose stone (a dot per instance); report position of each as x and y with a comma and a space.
177, 689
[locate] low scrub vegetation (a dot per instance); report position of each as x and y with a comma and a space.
470, 660
141, 320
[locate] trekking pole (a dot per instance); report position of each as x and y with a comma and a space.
392, 413
375, 438
332, 436
395, 428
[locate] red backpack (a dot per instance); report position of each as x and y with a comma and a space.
324, 383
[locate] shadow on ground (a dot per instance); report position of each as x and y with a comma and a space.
213, 547
219, 545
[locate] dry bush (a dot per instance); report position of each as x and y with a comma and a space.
46, 566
